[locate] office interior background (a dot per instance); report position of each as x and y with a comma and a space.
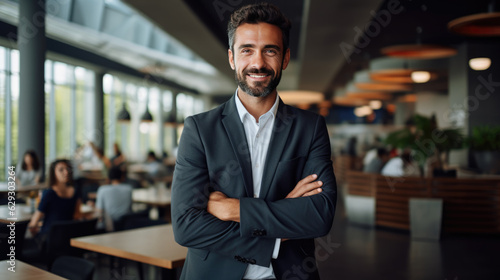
354, 62
142, 56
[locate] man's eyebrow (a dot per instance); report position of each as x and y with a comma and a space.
276, 47
246, 46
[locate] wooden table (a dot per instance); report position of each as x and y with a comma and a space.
156, 197
24, 271
151, 245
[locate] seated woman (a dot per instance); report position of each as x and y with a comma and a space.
29, 171
60, 202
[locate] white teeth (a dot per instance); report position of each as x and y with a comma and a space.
257, 76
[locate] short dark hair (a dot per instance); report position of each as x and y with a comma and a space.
381, 152
36, 162
256, 13
52, 172
115, 173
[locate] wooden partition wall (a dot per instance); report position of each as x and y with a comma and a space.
469, 205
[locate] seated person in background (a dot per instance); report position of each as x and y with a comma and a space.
118, 158
154, 167
114, 200
398, 166
29, 171
377, 163
60, 202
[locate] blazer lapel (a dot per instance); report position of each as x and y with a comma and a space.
282, 127
236, 133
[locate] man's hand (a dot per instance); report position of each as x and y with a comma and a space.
224, 208
306, 187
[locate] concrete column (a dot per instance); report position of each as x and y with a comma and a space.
404, 112
99, 125
161, 124
174, 112
32, 47
474, 95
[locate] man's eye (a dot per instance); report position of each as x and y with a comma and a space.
271, 52
245, 51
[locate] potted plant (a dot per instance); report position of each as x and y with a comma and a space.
427, 141
484, 144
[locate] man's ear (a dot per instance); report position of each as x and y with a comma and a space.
231, 58
286, 59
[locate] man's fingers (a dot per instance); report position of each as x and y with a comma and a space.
313, 192
300, 190
307, 179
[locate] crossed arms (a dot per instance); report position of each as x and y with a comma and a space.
213, 221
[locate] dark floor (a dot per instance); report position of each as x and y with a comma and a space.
353, 252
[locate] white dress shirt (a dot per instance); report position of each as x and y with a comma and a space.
258, 136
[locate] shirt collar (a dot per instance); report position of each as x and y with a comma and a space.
242, 111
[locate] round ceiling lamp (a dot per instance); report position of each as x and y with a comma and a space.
484, 24
419, 51
398, 70
480, 63
421, 76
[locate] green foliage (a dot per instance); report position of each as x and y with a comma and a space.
425, 138
484, 138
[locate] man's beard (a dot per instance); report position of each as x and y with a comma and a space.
259, 90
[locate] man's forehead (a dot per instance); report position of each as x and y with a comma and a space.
258, 34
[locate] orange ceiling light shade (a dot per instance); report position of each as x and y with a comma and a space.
398, 70
419, 51
390, 87
484, 24
349, 101
409, 98
301, 97
400, 76
363, 82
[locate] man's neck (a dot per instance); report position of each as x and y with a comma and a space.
257, 106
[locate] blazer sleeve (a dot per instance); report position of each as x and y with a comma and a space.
193, 226
297, 218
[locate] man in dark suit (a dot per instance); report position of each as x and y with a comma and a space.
253, 182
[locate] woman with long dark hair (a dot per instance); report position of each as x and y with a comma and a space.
29, 171
60, 202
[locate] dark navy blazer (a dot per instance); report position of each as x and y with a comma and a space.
213, 155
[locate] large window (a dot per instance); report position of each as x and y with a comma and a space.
9, 104
69, 109
70, 116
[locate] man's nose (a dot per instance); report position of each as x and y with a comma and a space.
258, 61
